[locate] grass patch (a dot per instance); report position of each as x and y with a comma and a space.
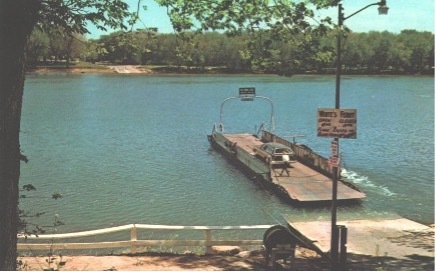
71, 65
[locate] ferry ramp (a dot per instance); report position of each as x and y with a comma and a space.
394, 241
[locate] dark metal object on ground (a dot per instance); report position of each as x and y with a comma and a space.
279, 244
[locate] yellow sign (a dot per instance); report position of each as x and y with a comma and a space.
337, 123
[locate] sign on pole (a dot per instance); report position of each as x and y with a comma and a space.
337, 123
334, 149
334, 161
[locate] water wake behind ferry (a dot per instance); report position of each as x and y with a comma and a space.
365, 182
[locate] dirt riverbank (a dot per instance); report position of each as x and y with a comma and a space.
243, 261
135, 69
305, 260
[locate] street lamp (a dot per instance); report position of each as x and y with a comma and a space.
383, 9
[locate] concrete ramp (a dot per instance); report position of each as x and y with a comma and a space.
398, 238
126, 69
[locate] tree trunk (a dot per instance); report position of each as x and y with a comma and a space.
17, 19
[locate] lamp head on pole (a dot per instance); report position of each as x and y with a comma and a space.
383, 8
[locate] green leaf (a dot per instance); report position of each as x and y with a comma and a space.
29, 187
56, 196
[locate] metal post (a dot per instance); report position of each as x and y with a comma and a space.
133, 239
208, 238
334, 232
343, 247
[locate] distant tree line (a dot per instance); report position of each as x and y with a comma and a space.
54, 46
409, 52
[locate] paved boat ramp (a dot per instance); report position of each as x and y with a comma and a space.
398, 239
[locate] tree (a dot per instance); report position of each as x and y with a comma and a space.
420, 45
74, 45
272, 23
94, 51
17, 20
37, 46
132, 47
53, 44
166, 53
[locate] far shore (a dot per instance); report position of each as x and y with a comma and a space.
173, 70
135, 69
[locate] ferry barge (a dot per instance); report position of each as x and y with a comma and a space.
292, 169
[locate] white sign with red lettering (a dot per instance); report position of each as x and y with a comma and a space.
334, 149
334, 161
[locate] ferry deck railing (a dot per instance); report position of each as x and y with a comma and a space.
134, 242
304, 155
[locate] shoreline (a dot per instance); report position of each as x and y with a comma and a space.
305, 260
168, 70
233, 258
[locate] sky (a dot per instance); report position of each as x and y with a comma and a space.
403, 14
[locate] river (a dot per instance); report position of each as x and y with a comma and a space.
133, 149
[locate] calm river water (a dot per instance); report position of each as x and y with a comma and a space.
133, 149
